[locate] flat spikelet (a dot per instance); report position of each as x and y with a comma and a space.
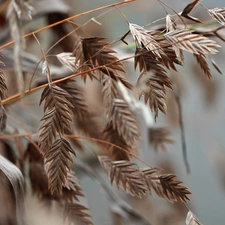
218, 14
139, 182
194, 43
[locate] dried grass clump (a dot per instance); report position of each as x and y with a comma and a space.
138, 182
47, 158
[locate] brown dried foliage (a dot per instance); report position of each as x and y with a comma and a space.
145, 39
76, 98
152, 81
71, 190
218, 14
151, 176
3, 86
56, 120
84, 119
194, 43
192, 219
122, 129
58, 158
3, 91
159, 137
3, 118
170, 58
112, 136
75, 213
110, 92
94, 57
38, 179
188, 9
97, 52
170, 23
124, 121
94, 52
126, 175
80, 63
172, 26
173, 189
138, 182
201, 60
67, 59
165, 185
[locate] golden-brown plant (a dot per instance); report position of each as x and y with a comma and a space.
69, 116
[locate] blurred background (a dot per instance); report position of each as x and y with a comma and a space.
203, 108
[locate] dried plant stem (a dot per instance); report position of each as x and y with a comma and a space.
182, 131
68, 19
